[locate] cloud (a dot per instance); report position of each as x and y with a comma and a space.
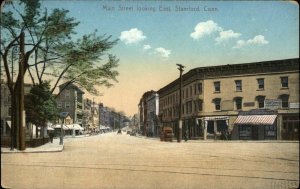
147, 47
132, 36
257, 40
163, 52
226, 35
205, 28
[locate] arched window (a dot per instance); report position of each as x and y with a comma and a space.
285, 100
238, 101
217, 102
261, 101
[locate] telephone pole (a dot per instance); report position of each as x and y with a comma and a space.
21, 94
179, 137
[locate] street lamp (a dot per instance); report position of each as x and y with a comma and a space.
179, 137
13, 51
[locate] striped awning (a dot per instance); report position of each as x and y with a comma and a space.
255, 120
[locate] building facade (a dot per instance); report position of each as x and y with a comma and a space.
250, 101
148, 111
6, 112
70, 100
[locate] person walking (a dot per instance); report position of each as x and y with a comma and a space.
186, 135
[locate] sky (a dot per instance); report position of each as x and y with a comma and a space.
156, 35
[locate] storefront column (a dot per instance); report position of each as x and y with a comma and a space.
205, 130
215, 129
4, 127
279, 127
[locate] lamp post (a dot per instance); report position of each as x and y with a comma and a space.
14, 50
179, 137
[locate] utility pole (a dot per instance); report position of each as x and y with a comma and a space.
21, 94
12, 129
179, 137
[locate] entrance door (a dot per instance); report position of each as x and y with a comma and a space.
255, 132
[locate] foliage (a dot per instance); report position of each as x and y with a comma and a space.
53, 49
40, 105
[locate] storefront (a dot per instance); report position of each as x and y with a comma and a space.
256, 125
215, 126
290, 127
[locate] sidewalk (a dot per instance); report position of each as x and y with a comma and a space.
222, 141
49, 147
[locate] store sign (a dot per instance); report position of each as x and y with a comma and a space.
273, 104
294, 105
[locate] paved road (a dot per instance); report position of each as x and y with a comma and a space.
123, 161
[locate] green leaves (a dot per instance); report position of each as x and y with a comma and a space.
40, 105
51, 48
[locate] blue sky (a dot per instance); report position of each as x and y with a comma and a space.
152, 42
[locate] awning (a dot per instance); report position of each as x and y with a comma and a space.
75, 127
58, 126
255, 120
9, 123
49, 128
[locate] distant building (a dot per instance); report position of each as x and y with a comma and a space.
70, 100
148, 111
252, 101
6, 107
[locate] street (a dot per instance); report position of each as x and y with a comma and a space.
123, 161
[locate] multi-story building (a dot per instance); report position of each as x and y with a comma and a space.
6, 107
70, 99
148, 111
252, 101
104, 114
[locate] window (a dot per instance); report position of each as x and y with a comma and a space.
9, 111
217, 102
186, 93
261, 83
238, 103
67, 94
284, 82
217, 86
261, 101
67, 104
59, 105
198, 105
238, 85
285, 101
199, 88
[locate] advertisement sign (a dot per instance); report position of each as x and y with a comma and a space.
273, 104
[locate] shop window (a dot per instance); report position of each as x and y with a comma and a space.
238, 85
284, 82
285, 101
261, 83
217, 86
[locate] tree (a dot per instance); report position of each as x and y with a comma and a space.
50, 48
40, 105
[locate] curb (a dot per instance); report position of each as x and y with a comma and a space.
224, 141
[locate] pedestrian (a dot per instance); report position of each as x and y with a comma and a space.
51, 136
186, 135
